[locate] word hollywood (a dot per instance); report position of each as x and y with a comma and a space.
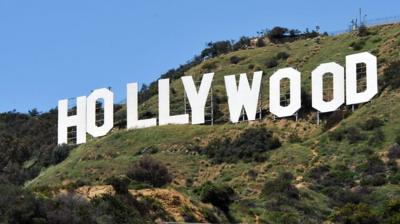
241, 95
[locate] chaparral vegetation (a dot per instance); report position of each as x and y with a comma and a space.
343, 170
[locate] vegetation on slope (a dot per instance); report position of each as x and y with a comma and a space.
345, 170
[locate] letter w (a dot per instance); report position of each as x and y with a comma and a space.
243, 95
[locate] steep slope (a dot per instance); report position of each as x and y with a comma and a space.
348, 163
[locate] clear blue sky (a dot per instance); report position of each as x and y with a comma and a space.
51, 50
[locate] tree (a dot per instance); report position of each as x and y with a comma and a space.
277, 34
243, 43
215, 49
34, 112
260, 42
363, 31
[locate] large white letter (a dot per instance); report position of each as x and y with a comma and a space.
243, 96
78, 120
132, 117
196, 99
275, 92
163, 106
108, 100
352, 97
317, 76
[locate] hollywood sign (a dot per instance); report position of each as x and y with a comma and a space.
240, 95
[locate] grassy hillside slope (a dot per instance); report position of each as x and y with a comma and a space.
349, 163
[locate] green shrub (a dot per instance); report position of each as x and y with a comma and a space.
373, 180
363, 31
326, 176
150, 171
294, 137
397, 139
60, 153
377, 137
391, 213
352, 134
391, 75
120, 184
282, 56
394, 178
235, 59
209, 65
334, 118
394, 152
355, 213
148, 150
249, 146
376, 40
371, 123
219, 196
336, 135
280, 186
271, 63
358, 45
372, 166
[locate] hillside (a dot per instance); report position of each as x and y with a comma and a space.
344, 167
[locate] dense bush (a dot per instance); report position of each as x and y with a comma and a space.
60, 153
352, 134
281, 185
326, 176
363, 31
377, 137
391, 75
282, 56
22, 206
271, 63
358, 45
251, 145
280, 191
372, 166
391, 213
27, 143
394, 152
219, 196
150, 171
371, 123
120, 184
373, 180
235, 59
355, 213
334, 118
209, 66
